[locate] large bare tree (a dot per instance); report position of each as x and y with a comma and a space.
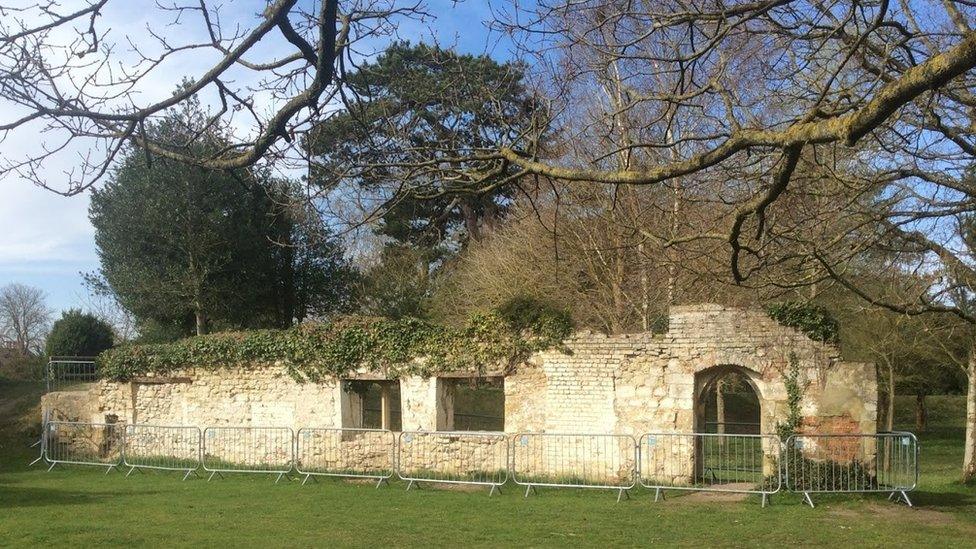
24, 317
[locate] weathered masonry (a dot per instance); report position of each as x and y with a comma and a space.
630, 384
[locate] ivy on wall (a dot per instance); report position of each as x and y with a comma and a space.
314, 352
813, 320
794, 396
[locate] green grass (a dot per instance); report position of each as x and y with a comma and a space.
83, 507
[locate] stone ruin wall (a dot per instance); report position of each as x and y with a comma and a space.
639, 383
628, 384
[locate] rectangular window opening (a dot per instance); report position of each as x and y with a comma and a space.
379, 399
479, 404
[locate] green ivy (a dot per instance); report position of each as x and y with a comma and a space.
794, 396
813, 320
314, 352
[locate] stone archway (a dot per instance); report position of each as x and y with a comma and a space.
728, 400
743, 417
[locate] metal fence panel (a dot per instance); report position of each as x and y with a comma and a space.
64, 372
454, 457
162, 447
248, 450
82, 443
845, 463
41, 442
344, 452
710, 462
574, 460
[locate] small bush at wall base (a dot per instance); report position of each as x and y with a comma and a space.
813, 320
314, 352
829, 476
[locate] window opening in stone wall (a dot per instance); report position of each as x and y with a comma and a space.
479, 404
380, 404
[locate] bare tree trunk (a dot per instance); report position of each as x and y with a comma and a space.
921, 414
645, 290
969, 460
201, 322
720, 406
890, 419
470, 216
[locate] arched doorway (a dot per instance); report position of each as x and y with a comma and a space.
727, 402
728, 405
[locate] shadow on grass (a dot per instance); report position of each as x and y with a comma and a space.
15, 496
923, 498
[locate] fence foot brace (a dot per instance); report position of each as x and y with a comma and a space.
621, 493
494, 488
900, 496
413, 483
765, 500
807, 500
52, 466
381, 482
109, 469
188, 473
530, 488
308, 476
279, 477
659, 494
38, 458
213, 474
131, 469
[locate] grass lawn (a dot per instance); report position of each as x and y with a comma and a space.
83, 507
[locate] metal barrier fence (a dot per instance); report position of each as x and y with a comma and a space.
453, 457
79, 443
574, 461
162, 447
248, 450
809, 463
709, 462
63, 372
842, 463
40, 443
352, 453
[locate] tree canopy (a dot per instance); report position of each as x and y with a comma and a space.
196, 249
78, 334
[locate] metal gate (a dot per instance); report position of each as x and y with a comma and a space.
162, 447
351, 453
248, 450
710, 462
64, 372
575, 460
453, 457
82, 443
842, 463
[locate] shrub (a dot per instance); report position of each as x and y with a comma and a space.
78, 334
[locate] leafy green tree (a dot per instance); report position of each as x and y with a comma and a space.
412, 102
192, 250
78, 334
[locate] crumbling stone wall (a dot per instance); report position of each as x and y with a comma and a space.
629, 384
639, 383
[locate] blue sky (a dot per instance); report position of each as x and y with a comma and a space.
46, 240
